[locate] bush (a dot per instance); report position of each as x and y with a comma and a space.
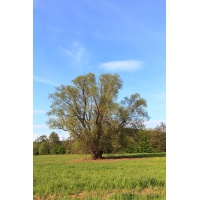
58, 149
35, 151
144, 142
43, 149
35, 148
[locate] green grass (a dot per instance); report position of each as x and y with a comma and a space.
138, 176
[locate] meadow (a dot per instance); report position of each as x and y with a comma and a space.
116, 177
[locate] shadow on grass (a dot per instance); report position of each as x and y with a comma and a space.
137, 155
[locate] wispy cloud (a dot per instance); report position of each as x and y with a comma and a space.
76, 52
123, 65
160, 95
40, 126
39, 111
44, 80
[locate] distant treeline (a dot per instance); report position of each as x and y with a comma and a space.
129, 141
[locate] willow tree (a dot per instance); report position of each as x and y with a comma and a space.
89, 111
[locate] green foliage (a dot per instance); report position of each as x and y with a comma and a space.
53, 140
158, 138
161, 128
129, 139
144, 142
158, 141
35, 148
42, 138
58, 149
66, 145
43, 149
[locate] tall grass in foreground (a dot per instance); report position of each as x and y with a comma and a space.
77, 177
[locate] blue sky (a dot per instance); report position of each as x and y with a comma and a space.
72, 38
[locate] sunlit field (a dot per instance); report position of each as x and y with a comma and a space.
130, 176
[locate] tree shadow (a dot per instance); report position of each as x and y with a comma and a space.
136, 155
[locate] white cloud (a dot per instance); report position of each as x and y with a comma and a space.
39, 111
161, 95
76, 52
44, 80
40, 126
123, 65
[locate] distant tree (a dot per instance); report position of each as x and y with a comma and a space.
158, 138
58, 149
144, 142
161, 128
89, 111
127, 141
65, 143
42, 138
132, 138
157, 141
35, 148
43, 149
53, 139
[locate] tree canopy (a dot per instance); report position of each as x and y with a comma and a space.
53, 139
89, 111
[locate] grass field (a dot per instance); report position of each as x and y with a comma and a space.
124, 177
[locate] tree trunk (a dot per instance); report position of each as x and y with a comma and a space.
97, 154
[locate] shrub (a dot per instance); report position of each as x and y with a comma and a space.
43, 149
144, 142
58, 149
35, 148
